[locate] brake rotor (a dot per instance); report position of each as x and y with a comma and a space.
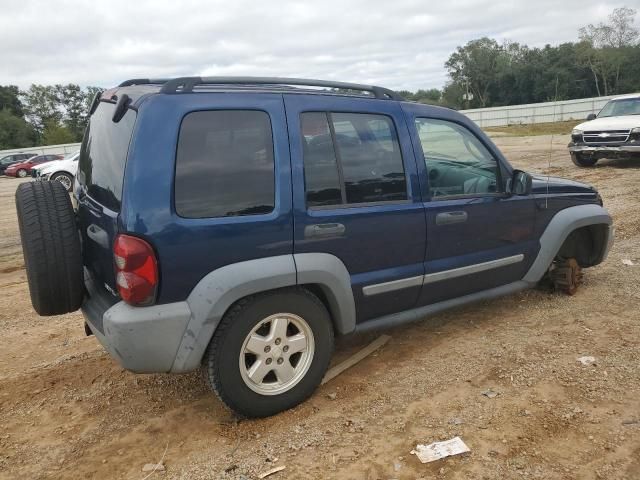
566, 276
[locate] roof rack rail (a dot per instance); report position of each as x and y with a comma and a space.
144, 81
186, 84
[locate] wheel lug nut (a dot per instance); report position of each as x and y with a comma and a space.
268, 362
278, 341
267, 349
285, 348
280, 360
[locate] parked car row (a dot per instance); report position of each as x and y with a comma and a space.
13, 159
41, 167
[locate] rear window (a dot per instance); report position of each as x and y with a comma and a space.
225, 164
103, 155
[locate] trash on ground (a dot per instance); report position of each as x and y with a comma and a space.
355, 358
438, 450
587, 360
490, 393
626, 261
153, 467
271, 471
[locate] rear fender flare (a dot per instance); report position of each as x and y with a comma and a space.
220, 289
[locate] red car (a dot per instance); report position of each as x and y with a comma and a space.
23, 169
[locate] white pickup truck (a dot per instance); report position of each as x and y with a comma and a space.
612, 133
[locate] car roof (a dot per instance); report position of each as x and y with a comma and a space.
624, 97
137, 90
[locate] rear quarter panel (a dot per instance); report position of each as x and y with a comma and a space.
190, 248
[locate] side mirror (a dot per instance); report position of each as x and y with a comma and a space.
591, 116
521, 183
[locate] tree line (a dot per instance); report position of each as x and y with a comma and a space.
43, 114
485, 73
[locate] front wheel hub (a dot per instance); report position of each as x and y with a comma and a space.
566, 275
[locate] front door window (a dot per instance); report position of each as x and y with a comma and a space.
458, 164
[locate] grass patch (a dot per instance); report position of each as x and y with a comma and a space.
519, 130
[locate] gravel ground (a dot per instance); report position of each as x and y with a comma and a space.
68, 411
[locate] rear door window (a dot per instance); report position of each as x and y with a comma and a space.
225, 164
103, 155
351, 158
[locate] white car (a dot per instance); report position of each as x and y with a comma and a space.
61, 171
613, 133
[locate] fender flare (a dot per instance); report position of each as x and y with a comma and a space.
220, 289
561, 225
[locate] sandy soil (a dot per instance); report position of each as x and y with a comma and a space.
68, 411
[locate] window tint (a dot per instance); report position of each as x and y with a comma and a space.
358, 162
225, 164
103, 155
457, 162
322, 181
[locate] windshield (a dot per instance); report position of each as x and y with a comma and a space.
627, 106
72, 156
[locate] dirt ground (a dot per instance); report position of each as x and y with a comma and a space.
67, 410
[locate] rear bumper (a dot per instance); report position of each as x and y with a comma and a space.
141, 339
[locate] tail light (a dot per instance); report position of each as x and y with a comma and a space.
136, 270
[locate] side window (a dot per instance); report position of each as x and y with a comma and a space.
351, 158
322, 181
225, 164
457, 162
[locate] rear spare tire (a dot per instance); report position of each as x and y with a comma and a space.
51, 247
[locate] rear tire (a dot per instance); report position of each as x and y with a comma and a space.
229, 361
581, 160
22, 173
51, 247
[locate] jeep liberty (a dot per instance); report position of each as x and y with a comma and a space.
239, 224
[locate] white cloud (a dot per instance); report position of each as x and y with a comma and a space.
401, 44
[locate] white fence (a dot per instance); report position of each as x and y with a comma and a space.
50, 149
537, 112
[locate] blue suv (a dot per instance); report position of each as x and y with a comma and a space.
239, 224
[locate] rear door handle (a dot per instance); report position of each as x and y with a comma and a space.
324, 230
447, 218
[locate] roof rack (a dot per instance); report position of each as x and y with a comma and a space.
144, 81
187, 84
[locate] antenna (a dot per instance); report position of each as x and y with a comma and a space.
555, 102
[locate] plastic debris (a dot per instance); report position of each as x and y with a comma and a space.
490, 393
437, 450
587, 360
626, 261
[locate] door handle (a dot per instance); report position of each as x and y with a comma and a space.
447, 218
324, 230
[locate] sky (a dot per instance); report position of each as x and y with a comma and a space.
399, 44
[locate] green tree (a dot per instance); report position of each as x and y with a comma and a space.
41, 106
10, 99
604, 48
15, 132
56, 134
474, 67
